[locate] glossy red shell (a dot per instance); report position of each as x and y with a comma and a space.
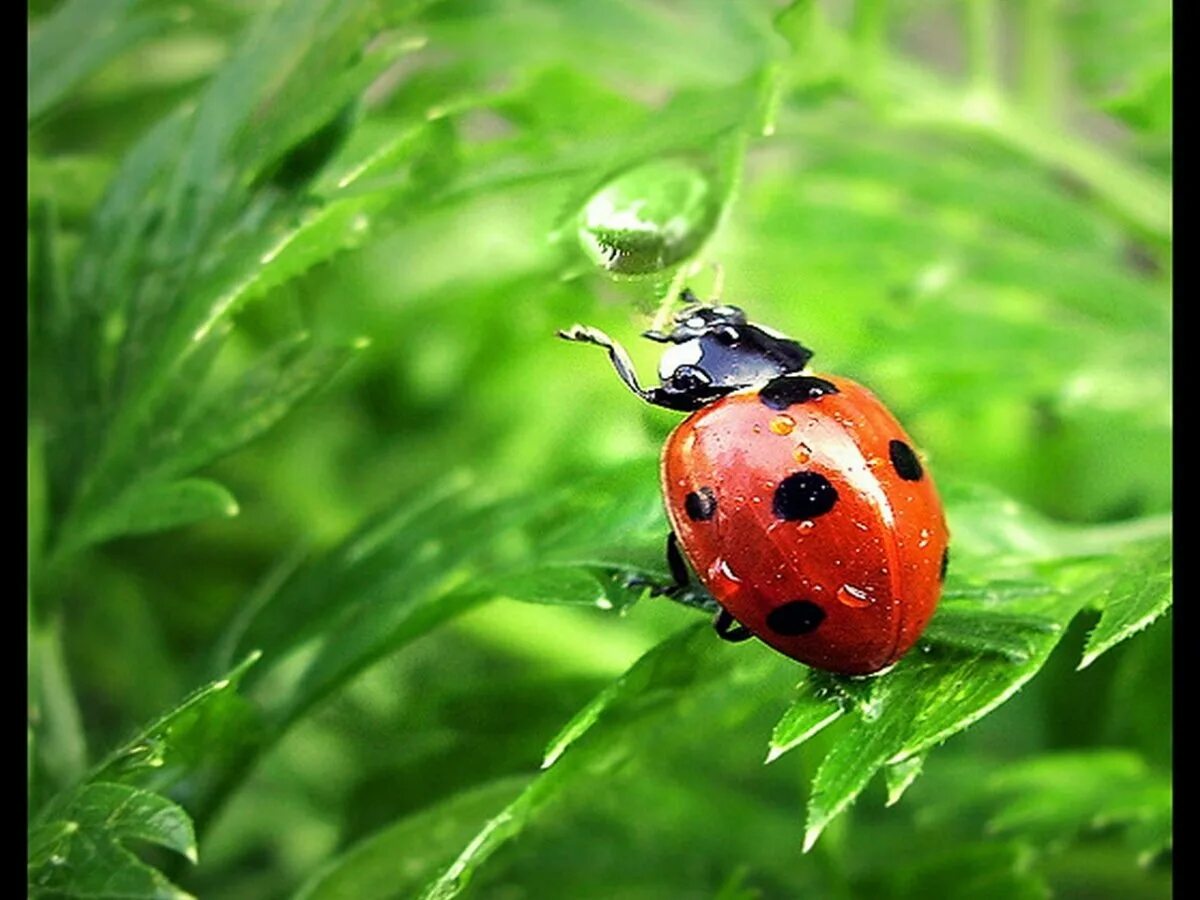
873, 563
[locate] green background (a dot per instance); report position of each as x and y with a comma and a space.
296, 404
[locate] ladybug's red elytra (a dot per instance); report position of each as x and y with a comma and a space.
796, 498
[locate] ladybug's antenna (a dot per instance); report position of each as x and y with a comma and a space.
620, 358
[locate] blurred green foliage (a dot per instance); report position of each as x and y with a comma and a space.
300, 433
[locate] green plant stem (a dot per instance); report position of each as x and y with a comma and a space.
1039, 57
918, 98
1139, 195
869, 27
982, 60
61, 746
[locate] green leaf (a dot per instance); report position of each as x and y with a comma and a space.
80, 37
210, 724
930, 695
557, 584
427, 560
397, 860
1053, 797
74, 183
258, 398
1139, 594
812, 710
156, 506
656, 678
972, 628
673, 675
54, 716
900, 776
187, 233
76, 841
82, 852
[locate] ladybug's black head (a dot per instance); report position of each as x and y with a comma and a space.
714, 351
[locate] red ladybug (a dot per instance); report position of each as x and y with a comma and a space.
797, 498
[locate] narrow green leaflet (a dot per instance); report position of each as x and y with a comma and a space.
986, 641
674, 673
77, 841
82, 852
996, 870
974, 628
559, 584
425, 561
1139, 593
257, 399
396, 861
54, 716
668, 669
74, 41
900, 776
158, 505
929, 696
1053, 798
815, 707
209, 724
188, 232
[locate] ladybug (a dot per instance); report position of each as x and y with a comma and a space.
796, 498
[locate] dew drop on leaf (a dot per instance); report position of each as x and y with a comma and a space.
649, 218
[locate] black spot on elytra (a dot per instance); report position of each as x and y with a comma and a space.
700, 505
804, 495
904, 461
796, 617
945, 564
787, 390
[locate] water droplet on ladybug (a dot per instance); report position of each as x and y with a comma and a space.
807, 525
802, 453
721, 571
924, 541
783, 424
854, 597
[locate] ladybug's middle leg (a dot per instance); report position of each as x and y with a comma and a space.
681, 590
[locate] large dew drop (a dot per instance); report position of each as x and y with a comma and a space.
649, 218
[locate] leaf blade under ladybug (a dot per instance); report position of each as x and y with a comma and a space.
810, 713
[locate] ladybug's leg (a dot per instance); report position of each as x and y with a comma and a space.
620, 358
680, 588
683, 591
729, 629
679, 570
